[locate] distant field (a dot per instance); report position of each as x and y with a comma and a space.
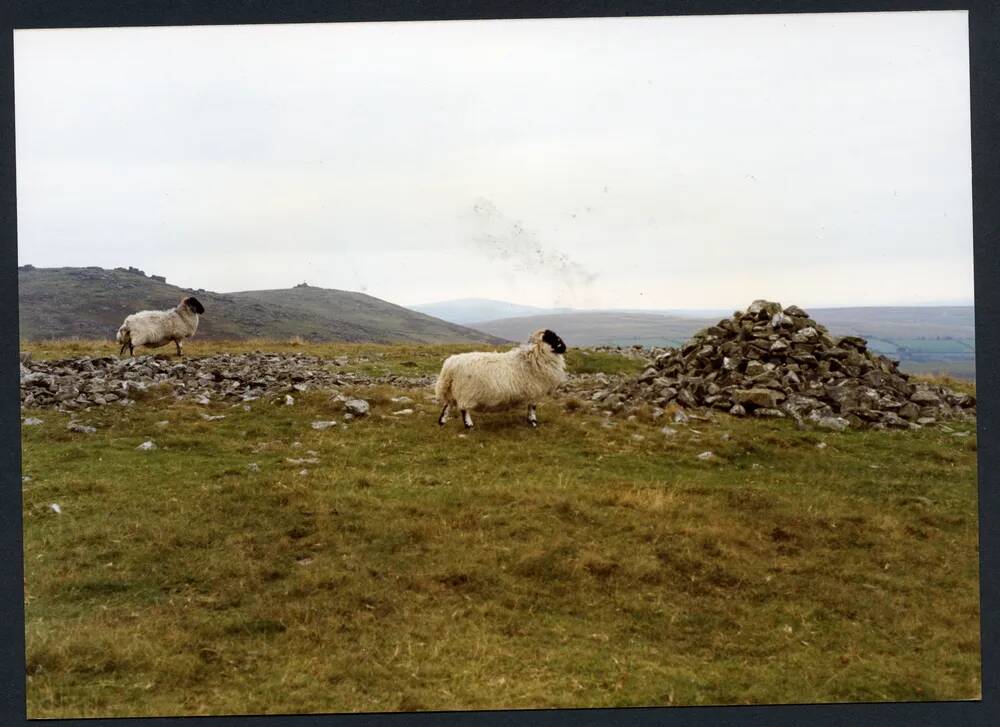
408, 567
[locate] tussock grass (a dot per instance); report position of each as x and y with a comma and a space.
421, 568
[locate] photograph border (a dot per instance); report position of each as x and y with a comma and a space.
984, 54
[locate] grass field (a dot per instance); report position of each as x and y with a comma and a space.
368, 358
398, 566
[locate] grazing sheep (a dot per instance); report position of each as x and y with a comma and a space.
484, 381
154, 328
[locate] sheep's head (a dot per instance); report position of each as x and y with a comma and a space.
193, 305
549, 337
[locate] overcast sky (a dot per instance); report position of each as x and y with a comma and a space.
645, 163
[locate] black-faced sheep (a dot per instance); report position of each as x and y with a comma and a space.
154, 328
486, 381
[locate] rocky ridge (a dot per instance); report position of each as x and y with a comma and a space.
770, 361
73, 384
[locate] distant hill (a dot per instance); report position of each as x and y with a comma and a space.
92, 302
922, 338
601, 328
466, 310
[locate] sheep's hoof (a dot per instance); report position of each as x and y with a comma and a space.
533, 423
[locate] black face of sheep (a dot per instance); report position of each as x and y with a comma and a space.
554, 341
194, 304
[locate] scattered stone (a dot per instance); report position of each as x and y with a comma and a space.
762, 361
763, 398
925, 396
403, 412
253, 467
56, 508
357, 407
81, 428
32, 422
147, 445
668, 431
289, 401
821, 445
213, 418
705, 456
302, 460
638, 437
323, 424
837, 424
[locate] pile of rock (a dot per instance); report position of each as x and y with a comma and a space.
770, 361
73, 384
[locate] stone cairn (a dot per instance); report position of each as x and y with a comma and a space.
773, 362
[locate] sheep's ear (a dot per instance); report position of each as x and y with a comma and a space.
554, 341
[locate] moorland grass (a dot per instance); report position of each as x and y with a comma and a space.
370, 358
420, 568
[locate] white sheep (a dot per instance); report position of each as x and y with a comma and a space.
486, 381
154, 328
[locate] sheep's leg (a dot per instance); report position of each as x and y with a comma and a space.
121, 351
444, 415
178, 344
131, 349
532, 417
466, 419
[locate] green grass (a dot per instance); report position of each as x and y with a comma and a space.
419, 568
379, 359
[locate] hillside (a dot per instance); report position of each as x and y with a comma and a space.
467, 310
92, 302
205, 547
601, 328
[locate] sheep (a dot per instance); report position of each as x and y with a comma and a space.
154, 328
486, 381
